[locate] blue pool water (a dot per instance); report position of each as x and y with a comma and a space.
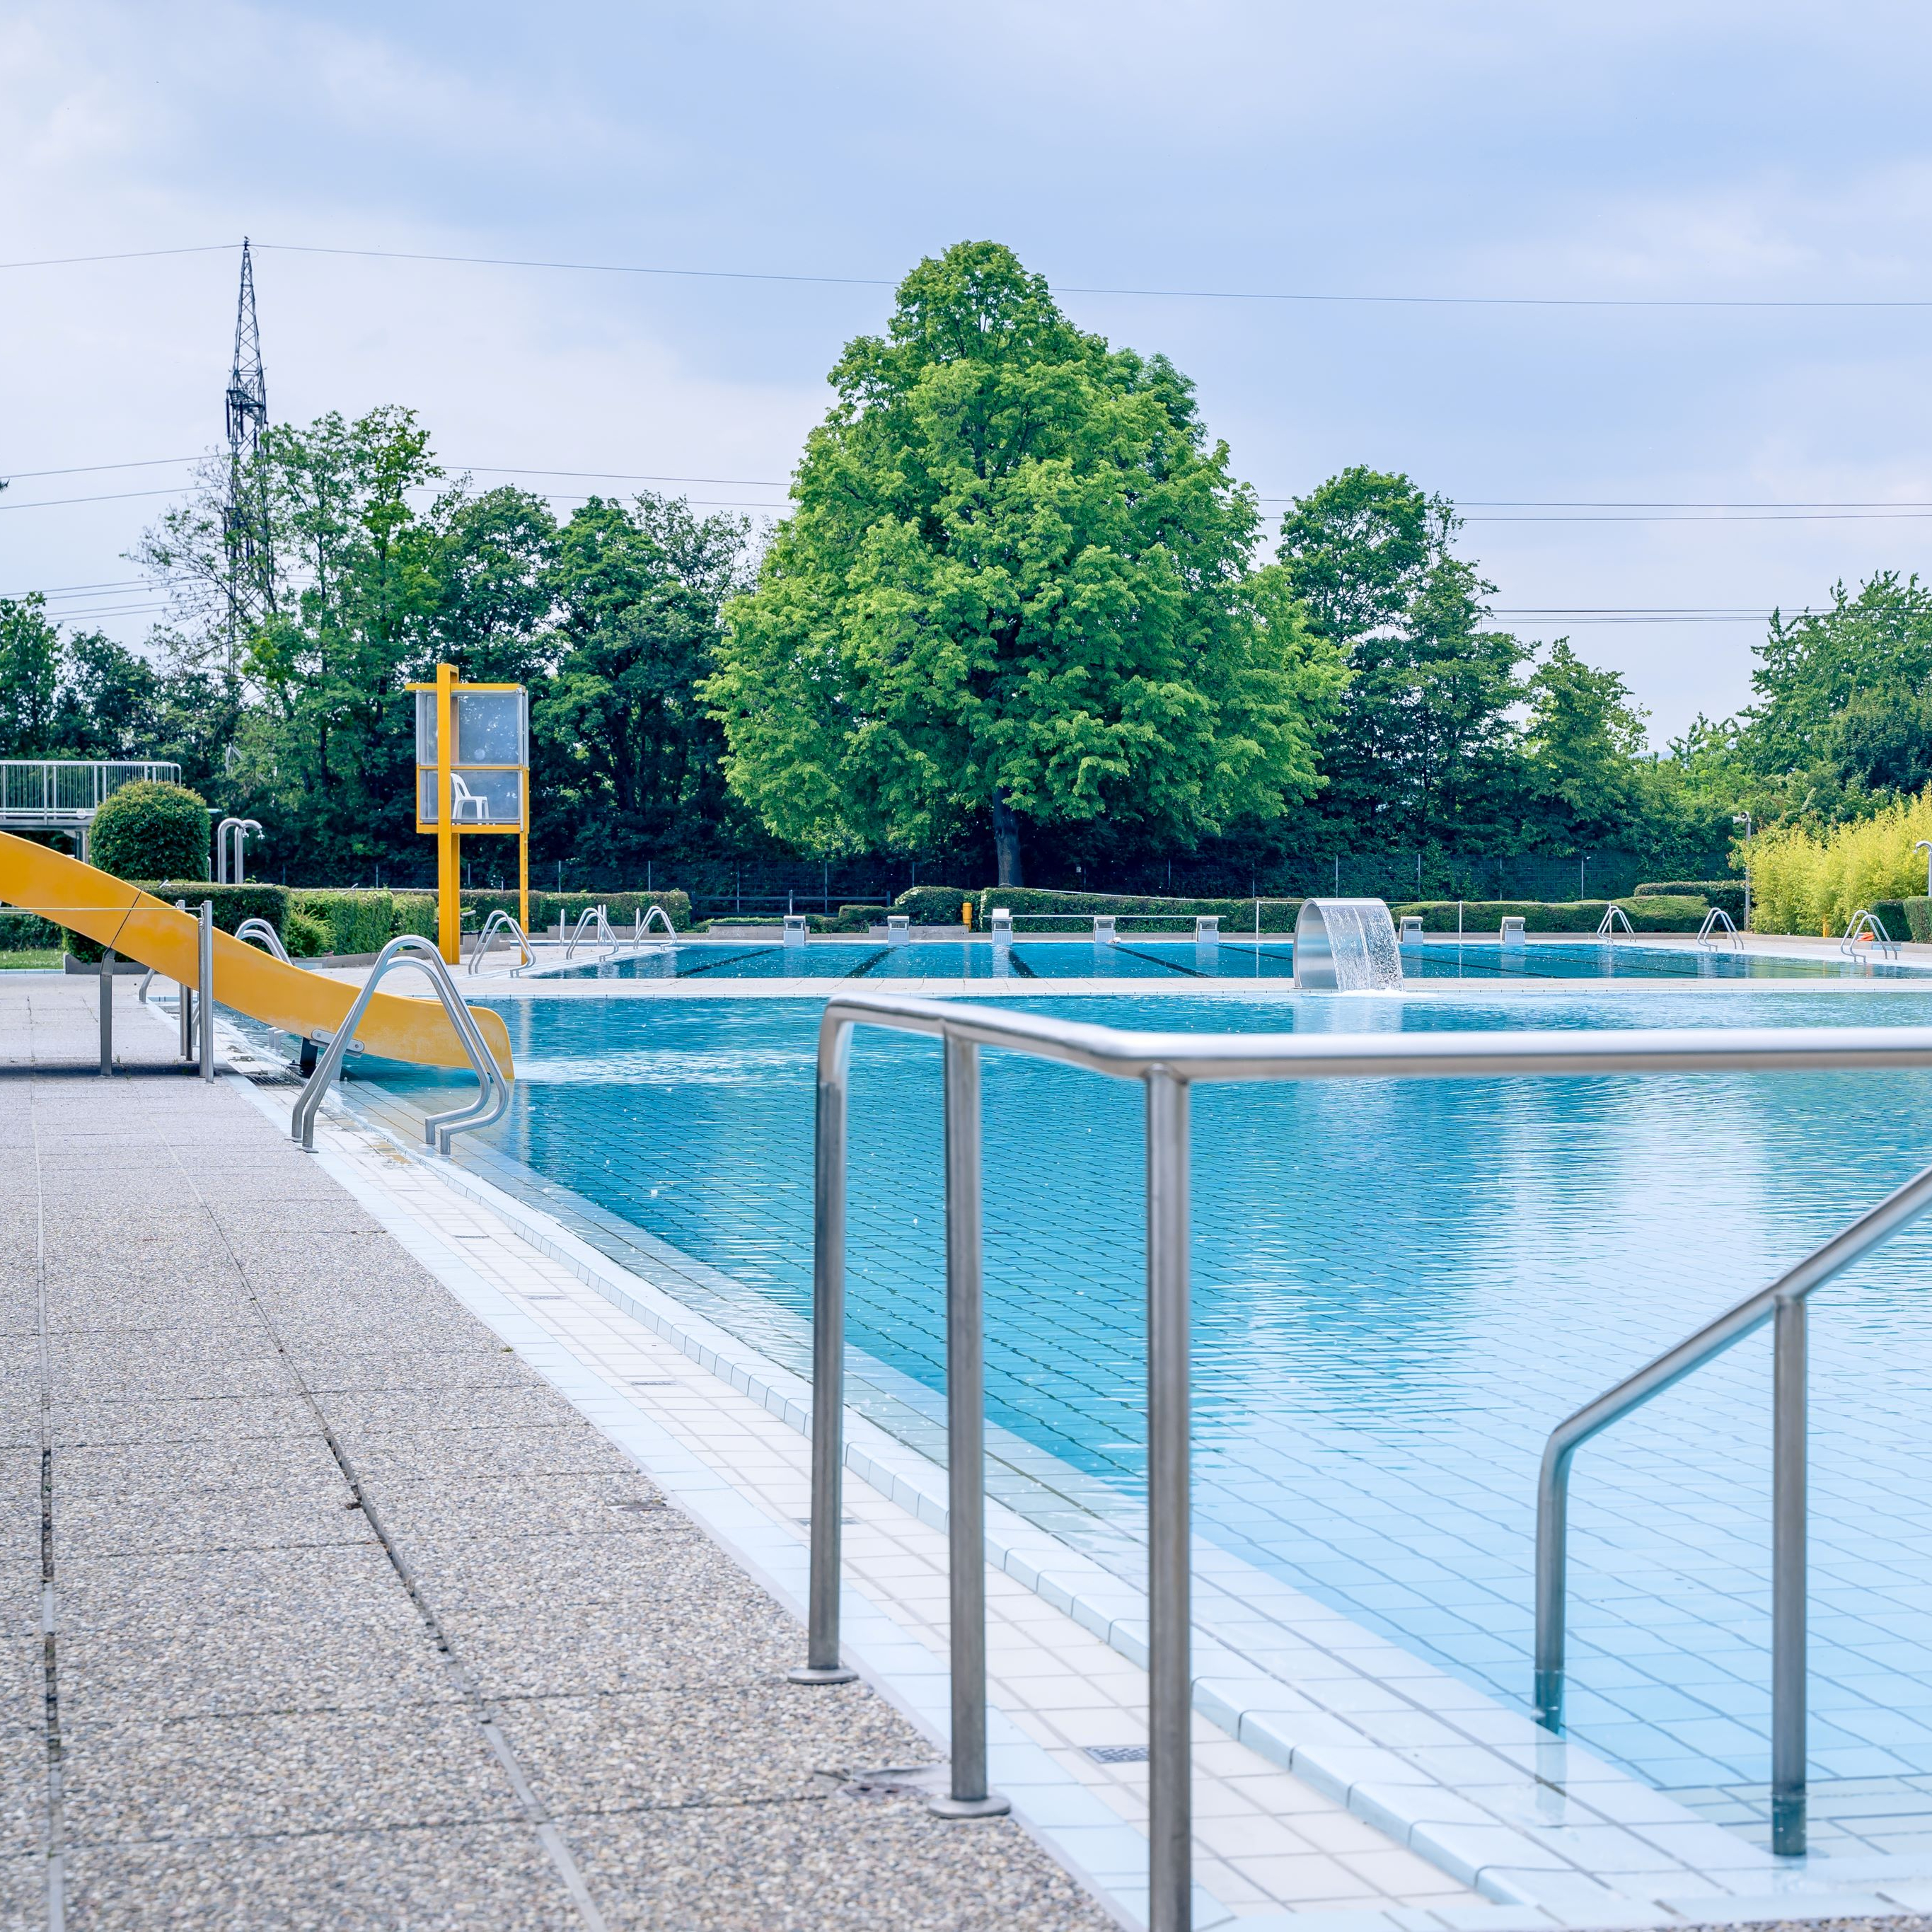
1399, 1287
1137, 958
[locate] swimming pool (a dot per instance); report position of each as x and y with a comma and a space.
1137, 958
1399, 1287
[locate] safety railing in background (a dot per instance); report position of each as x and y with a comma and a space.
1718, 924
492, 1101
49, 793
1866, 927
1614, 915
1168, 1066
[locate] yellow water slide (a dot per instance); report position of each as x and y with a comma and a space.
140, 927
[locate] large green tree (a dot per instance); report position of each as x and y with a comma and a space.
1425, 754
1014, 591
29, 677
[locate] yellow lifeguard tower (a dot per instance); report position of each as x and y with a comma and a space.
472, 775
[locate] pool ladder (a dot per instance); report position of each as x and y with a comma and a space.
492, 1101
1717, 923
1867, 925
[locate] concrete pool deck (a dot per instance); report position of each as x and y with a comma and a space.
324, 1609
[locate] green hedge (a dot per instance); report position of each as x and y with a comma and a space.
415, 912
349, 921
1654, 914
1906, 919
1237, 916
932, 905
859, 918
1728, 893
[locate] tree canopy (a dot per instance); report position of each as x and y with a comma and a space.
1014, 588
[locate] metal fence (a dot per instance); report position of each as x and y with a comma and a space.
1168, 1066
50, 793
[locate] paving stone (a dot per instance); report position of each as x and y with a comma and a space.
736, 1635
825, 1865
203, 1521
141, 1378
23, 1789
223, 1419
736, 1744
213, 1777
149, 1595
23, 1892
524, 1506
239, 1665
441, 1372
419, 1455
357, 1418
466, 1878
291, 1466
618, 1569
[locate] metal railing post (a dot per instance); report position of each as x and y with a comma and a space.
186, 1005
107, 1012
205, 972
822, 1664
1788, 1584
1170, 1678
966, 1439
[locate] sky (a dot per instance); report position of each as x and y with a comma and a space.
1591, 199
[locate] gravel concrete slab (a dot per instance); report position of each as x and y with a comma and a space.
466, 1878
436, 1456
227, 1419
140, 1377
238, 1665
827, 1864
464, 1412
155, 1593
23, 1892
531, 1506
542, 1650
23, 1791
215, 1777
735, 1744
292, 1465
456, 1371
202, 1522
620, 1571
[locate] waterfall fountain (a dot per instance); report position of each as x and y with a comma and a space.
1346, 946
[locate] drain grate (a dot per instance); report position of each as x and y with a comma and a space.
653, 1381
1118, 1754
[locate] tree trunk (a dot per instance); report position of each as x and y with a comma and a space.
1007, 840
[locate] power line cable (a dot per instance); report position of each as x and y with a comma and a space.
1070, 288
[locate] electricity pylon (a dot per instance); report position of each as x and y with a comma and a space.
244, 518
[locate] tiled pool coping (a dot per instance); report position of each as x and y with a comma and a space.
1525, 1818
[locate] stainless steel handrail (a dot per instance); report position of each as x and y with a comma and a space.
1717, 918
1866, 924
1783, 1303
498, 921
1607, 925
597, 918
657, 912
1167, 1065
260, 929
491, 1102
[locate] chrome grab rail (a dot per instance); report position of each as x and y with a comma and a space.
1867, 925
490, 1104
1716, 920
657, 912
597, 918
1167, 1065
1782, 1303
1607, 925
498, 921
260, 929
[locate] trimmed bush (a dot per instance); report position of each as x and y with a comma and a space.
932, 905
1728, 893
1237, 916
1654, 914
148, 830
858, 918
305, 936
352, 921
1806, 881
414, 912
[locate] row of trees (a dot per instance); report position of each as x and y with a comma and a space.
1022, 613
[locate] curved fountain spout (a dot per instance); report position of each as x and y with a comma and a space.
1346, 946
